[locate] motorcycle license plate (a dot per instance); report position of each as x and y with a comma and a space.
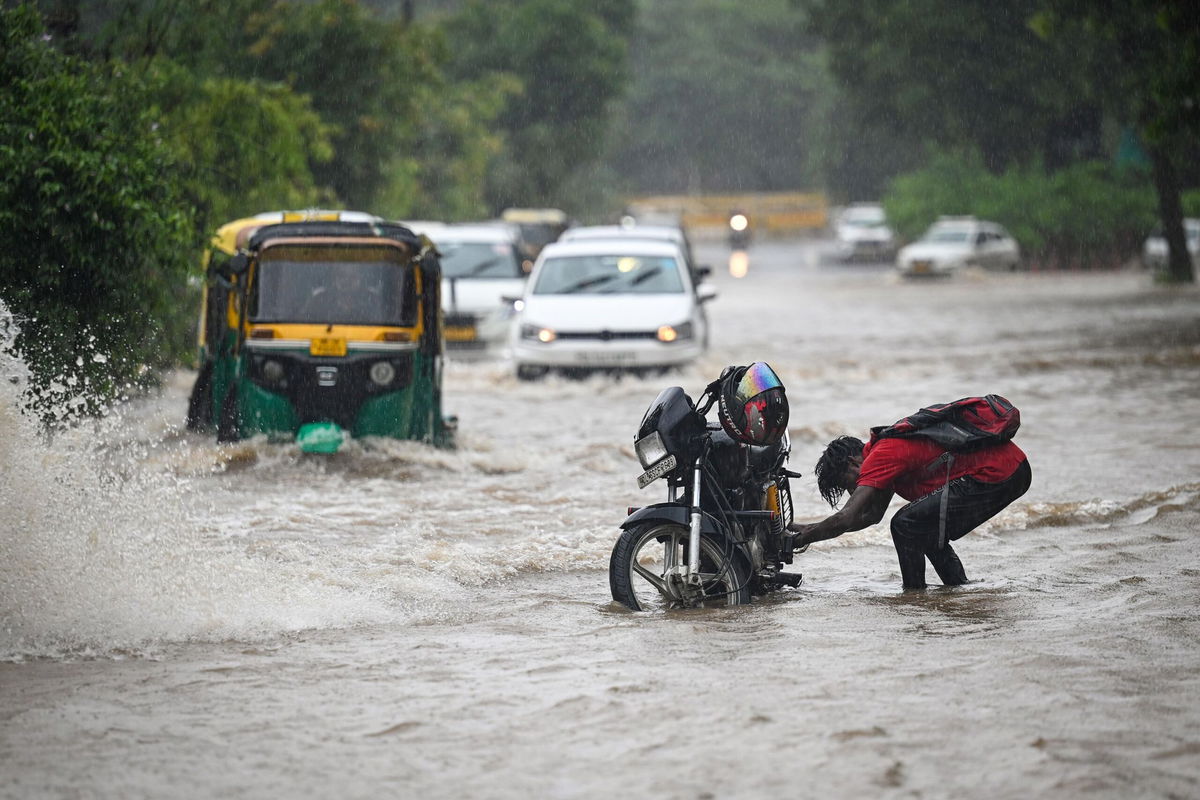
328, 347
656, 471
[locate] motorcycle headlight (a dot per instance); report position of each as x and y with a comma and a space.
650, 450
675, 333
538, 333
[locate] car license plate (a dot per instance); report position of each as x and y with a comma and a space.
921, 267
460, 333
330, 346
657, 471
605, 359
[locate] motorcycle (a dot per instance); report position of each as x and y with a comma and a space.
739, 231
721, 537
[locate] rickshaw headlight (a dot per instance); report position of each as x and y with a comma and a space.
383, 373
273, 371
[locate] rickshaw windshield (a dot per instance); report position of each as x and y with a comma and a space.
334, 284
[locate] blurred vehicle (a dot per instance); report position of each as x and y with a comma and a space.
481, 265
537, 227
862, 232
739, 231
319, 326
953, 243
609, 304
1154, 251
633, 230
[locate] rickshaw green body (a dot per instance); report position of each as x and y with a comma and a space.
318, 378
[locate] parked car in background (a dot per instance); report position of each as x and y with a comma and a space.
862, 232
481, 265
953, 243
609, 304
1154, 251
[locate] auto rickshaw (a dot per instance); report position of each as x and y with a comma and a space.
318, 326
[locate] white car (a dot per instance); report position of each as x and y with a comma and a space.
1154, 251
481, 266
862, 232
953, 243
611, 304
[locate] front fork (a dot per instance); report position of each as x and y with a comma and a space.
684, 580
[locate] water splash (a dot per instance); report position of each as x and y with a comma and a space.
100, 554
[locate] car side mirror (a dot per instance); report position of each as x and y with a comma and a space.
706, 292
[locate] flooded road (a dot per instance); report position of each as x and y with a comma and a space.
179, 618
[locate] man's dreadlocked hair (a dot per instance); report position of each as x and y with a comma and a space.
833, 464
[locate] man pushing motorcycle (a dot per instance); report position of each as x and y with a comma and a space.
954, 463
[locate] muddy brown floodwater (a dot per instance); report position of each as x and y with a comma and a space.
183, 619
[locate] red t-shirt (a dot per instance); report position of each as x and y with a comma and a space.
902, 465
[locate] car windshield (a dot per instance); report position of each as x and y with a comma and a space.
478, 259
864, 218
946, 235
609, 274
333, 285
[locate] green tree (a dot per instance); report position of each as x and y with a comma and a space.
569, 59
365, 76
242, 146
1153, 47
726, 96
95, 239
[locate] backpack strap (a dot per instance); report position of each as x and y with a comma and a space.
946, 458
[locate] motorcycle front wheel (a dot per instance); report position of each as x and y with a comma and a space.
644, 554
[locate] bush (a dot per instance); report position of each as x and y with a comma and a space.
1087, 214
95, 241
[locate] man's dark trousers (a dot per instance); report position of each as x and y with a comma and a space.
915, 528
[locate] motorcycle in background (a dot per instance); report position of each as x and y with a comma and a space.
721, 537
739, 231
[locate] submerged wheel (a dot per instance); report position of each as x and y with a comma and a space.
199, 412
530, 372
644, 552
227, 425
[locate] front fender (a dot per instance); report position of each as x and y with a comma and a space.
677, 513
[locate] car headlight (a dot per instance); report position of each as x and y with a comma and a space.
675, 333
538, 333
650, 450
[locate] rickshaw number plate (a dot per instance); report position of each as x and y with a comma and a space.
328, 347
460, 333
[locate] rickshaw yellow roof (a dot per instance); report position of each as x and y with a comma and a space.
231, 235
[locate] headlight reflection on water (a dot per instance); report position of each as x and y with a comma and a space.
739, 263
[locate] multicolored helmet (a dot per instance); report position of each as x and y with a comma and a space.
752, 404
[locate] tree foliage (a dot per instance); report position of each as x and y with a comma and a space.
568, 59
95, 238
727, 96
1087, 213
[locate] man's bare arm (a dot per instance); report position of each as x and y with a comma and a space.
865, 508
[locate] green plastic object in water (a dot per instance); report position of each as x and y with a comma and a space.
320, 437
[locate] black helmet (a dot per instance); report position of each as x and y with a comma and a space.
752, 404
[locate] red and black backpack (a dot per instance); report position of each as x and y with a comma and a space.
962, 426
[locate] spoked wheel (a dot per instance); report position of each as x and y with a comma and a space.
645, 556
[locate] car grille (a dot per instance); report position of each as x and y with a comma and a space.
607, 336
